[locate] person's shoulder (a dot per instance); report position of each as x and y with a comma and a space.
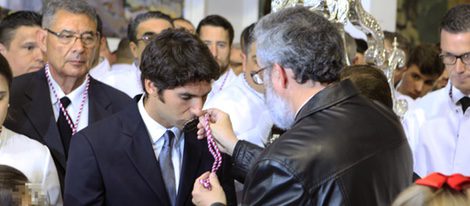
108, 129
113, 94
27, 144
24, 80
432, 99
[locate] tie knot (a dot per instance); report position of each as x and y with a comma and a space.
65, 101
168, 137
465, 102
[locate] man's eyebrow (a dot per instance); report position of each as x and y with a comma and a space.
148, 33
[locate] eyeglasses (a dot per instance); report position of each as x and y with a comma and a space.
88, 39
147, 38
257, 76
449, 59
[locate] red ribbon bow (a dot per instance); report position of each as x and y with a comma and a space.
437, 180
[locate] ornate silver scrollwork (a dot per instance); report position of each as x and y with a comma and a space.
342, 11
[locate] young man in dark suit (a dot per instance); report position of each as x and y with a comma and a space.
148, 154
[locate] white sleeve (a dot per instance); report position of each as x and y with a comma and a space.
50, 180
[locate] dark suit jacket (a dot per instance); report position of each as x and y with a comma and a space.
31, 113
113, 163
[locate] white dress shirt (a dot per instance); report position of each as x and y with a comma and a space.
439, 133
225, 80
248, 112
76, 99
33, 159
409, 101
125, 78
156, 132
100, 71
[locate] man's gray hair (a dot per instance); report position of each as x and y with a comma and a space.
73, 6
304, 41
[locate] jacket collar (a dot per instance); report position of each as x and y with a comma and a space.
141, 153
43, 119
331, 95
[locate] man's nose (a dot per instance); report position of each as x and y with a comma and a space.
213, 49
196, 107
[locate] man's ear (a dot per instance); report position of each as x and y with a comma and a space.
41, 36
133, 48
279, 76
150, 87
243, 61
3, 49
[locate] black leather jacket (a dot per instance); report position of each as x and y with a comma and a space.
342, 150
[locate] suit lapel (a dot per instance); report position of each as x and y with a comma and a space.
141, 153
99, 105
191, 161
43, 119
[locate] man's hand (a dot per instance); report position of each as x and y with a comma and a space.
206, 197
221, 128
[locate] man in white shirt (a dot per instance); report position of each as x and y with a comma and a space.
244, 100
421, 71
438, 128
217, 33
141, 31
148, 154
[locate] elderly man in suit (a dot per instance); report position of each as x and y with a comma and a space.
53, 103
148, 154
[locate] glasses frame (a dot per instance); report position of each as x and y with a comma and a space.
455, 57
76, 36
147, 38
256, 76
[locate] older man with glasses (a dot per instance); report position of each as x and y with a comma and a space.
438, 128
339, 148
52, 104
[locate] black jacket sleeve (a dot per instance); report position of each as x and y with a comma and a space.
243, 157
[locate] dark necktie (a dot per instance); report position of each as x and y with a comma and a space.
64, 128
166, 166
465, 102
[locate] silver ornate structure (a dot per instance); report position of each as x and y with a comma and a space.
342, 11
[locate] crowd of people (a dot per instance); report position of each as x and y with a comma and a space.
298, 120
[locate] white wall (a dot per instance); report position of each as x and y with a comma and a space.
242, 13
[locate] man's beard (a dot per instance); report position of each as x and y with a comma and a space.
281, 113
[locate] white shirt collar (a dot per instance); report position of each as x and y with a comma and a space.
75, 96
155, 129
454, 93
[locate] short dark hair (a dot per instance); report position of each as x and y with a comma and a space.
370, 81
15, 20
10, 179
181, 19
132, 28
247, 38
5, 70
302, 40
361, 45
217, 21
99, 25
175, 58
426, 58
457, 19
